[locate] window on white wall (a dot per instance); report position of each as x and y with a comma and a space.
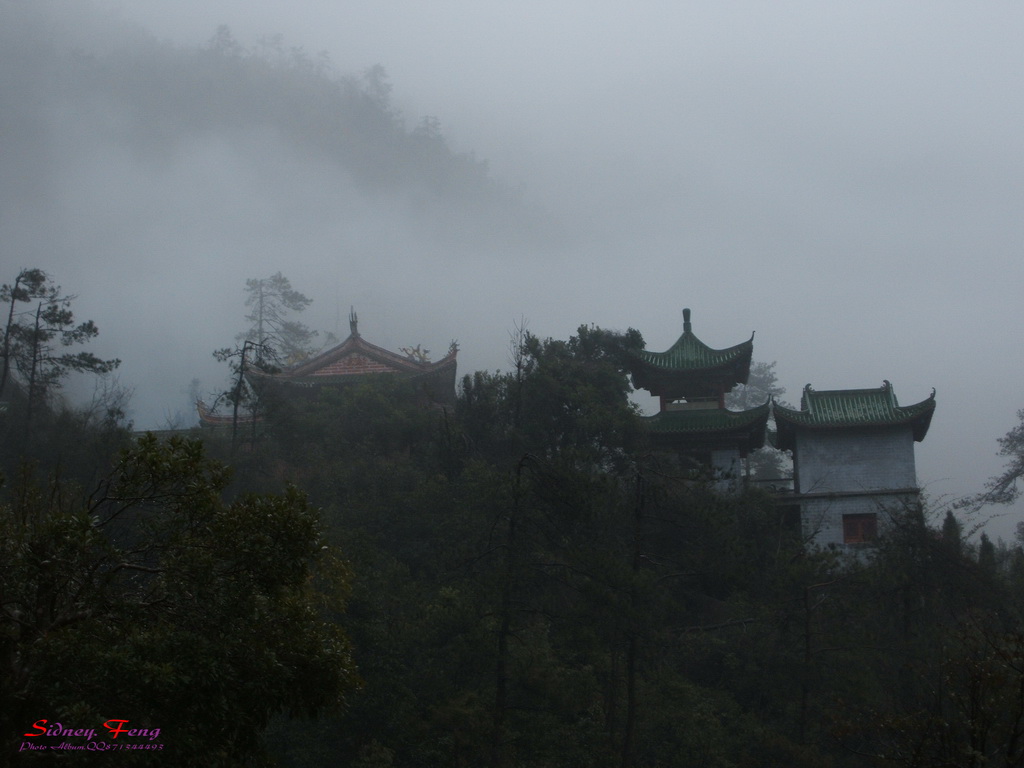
860, 528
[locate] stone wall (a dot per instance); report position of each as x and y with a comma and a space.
854, 460
852, 472
821, 518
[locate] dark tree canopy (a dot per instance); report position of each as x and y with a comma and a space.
1003, 488
527, 582
34, 336
154, 599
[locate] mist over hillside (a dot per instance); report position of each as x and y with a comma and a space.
66, 89
153, 179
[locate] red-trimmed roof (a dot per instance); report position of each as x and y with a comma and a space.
355, 358
210, 419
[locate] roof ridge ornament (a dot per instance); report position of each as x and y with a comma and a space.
686, 321
353, 322
887, 388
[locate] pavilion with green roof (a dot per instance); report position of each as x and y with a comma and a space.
853, 459
690, 380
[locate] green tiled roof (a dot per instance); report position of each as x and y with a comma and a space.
690, 368
697, 427
691, 354
855, 408
704, 420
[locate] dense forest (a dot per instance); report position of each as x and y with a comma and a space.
518, 580
356, 580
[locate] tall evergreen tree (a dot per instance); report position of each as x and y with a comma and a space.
34, 338
278, 338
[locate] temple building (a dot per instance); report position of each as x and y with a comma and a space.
353, 360
853, 459
691, 380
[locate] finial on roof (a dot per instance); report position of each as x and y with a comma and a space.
887, 387
686, 320
353, 322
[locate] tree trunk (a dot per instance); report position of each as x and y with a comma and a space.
509, 580
33, 372
633, 648
501, 667
237, 398
7, 338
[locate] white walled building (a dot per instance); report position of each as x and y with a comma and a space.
853, 459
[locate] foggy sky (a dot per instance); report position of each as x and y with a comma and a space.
847, 180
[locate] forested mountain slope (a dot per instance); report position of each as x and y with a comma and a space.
123, 85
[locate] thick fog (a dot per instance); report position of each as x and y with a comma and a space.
848, 181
